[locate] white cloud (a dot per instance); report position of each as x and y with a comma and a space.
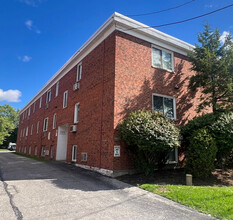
223, 36
25, 58
10, 95
33, 3
30, 26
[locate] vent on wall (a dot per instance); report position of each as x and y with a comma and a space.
73, 128
76, 86
83, 156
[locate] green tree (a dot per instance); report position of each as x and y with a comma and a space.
149, 136
212, 61
9, 119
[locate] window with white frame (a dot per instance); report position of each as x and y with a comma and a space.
79, 72
54, 120
23, 132
57, 88
35, 151
46, 121
43, 151
162, 59
74, 153
40, 102
31, 129
26, 131
48, 97
29, 111
76, 112
34, 107
165, 105
173, 156
65, 99
37, 127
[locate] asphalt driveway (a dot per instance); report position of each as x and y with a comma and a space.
31, 189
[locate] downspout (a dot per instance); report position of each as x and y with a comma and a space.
102, 104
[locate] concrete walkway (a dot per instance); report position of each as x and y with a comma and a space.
31, 189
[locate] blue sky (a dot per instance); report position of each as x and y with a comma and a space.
38, 36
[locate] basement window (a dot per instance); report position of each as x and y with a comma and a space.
43, 151
74, 153
162, 59
173, 156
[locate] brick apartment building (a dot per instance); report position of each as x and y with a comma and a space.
124, 66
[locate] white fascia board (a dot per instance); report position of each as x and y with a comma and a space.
142, 31
115, 22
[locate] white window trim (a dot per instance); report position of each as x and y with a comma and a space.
40, 102
45, 129
162, 49
26, 131
31, 129
37, 128
80, 64
57, 89
74, 146
48, 96
66, 92
165, 96
54, 120
176, 157
77, 105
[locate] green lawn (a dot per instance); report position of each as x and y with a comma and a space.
217, 201
3, 149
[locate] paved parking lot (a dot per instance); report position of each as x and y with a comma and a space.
31, 189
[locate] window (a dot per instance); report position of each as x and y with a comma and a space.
29, 111
31, 129
173, 156
48, 97
76, 113
79, 72
83, 156
51, 152
54, 121
162, 59
37, 128
165, 105
30, 150
57, 88
26, 131
34, 107
43, 151
35, 151
40, 102
23, 132
65, 98
25, 149
46, 121
74, 153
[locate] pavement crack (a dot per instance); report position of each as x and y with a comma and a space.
16, 210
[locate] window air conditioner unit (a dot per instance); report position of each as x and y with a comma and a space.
76, 86
73, 128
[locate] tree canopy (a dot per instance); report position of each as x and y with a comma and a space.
212, 60
9, 119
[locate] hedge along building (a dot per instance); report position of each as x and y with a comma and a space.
124, 66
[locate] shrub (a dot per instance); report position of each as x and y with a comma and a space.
149, 136
201, 154
220, 126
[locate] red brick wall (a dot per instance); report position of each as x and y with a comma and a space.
117, 78
136, 80
96, 97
